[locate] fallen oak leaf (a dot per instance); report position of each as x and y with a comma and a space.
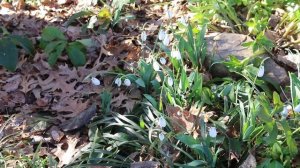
80, 120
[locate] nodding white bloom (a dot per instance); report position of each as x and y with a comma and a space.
170, 81
155, 65
161, 136
166, 40
143, 36
118, 82
161, 34
169, 14
212, 132
285, 112
162, 122
163, 61
261, 71
297, 108
127, 82
95, 81
176, 54
182, 20
289, 107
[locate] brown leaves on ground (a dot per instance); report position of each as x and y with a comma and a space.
37, 90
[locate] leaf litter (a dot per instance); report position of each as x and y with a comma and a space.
60, 91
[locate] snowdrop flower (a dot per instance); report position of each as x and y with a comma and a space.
118, 82
183, 21
163, 61
212, 132
162, 122
161, 34
155, 66
127, 82
161, 136
261, 71
95, 81
285, 112
289, 107
143, 36
169, 14
297, 108
170, 81
166, 40
176, 54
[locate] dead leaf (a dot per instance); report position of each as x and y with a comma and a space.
80, 120
12, 83
250, 162
145, 164
66, 157
182, 121
20, 5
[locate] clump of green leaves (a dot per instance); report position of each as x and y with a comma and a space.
108, 15
9, 49
55, 43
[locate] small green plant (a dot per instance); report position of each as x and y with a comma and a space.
9, 45
55, 43
108, 15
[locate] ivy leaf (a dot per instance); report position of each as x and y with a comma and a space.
52, 33
23, 42
54, 50
8, 54
76, 53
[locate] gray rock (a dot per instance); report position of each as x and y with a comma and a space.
221, 45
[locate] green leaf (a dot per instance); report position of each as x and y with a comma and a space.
275, 164
151, 100
54, 50
78, 15
86, 42
76, 53
140, 82
248, 132
8, 54
52, 33
23, 42
289, 139
118, 4
187, 140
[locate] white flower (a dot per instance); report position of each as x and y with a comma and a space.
163, 61
285, 112
161, 34
182, 20
289, 107
170, 81
166, 40
143, 36
118, 82
95, 81
169, 14
127, 82
176, 54
162, 122
297, 108
161, 136
212, 132
261, 71
155, 65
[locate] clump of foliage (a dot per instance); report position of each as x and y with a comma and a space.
9, 45
55, 43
